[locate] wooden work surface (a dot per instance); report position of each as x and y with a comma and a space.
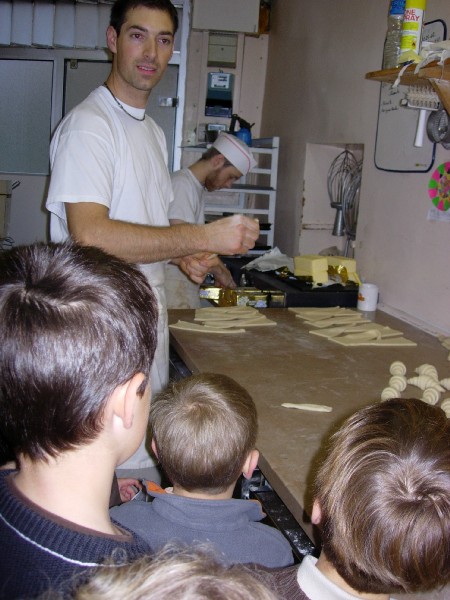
287, 364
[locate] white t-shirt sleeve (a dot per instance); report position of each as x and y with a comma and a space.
186, 197
82, 169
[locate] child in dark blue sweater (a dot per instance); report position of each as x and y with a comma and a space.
78, 331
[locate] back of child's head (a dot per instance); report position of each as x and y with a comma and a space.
204, 427
193, 572
384, 491
75, 322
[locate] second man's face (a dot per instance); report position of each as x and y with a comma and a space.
142, 51
223, 178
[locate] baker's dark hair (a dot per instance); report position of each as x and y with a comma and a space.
121, 7
75, 322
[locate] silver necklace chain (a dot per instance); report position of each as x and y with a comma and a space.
121, 106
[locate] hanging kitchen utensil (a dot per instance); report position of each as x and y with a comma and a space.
350, 206
340, 175
423, 97
438, 128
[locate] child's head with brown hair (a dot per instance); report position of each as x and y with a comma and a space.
204, 432
383, 498
75, 323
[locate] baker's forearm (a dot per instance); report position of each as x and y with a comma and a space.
89, 224
143, 243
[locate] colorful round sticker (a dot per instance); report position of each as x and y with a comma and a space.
439, 187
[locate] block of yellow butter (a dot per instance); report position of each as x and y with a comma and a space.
311, 265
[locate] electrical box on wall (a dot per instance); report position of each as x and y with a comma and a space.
228, 15
219, 95
222, 50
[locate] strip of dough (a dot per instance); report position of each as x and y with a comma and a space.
222, 310
311, 407
230, 317
240, 323
187, 326
316, 311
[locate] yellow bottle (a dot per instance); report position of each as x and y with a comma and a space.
412, 30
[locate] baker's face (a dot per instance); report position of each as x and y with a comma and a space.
223, 178
141, 52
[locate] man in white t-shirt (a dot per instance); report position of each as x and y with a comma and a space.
110, 186
226, 161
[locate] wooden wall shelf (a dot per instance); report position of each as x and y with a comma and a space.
437, 75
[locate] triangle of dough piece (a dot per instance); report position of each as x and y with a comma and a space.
187, 326
344, 320
240, 323
385, 332
330, 332
324, 314
333, 332
383, 329
397, 341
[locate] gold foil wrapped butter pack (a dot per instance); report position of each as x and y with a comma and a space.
243, 296
343, 269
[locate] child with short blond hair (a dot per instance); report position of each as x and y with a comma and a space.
204, 434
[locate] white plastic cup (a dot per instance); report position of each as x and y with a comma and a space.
367, 297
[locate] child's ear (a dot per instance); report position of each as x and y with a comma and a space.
153, 445
124, 399
250, 464
316, 514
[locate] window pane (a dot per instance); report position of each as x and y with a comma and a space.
25, 115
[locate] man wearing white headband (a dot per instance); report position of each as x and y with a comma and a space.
226, 161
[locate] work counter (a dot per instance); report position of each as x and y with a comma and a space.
285, 363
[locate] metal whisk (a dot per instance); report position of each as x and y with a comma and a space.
343, 183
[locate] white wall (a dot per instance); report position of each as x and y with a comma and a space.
316, 93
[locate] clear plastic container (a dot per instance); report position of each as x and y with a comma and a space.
393, 39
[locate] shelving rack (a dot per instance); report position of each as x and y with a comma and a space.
255, 194
437, 75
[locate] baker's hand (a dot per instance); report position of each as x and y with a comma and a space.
222, 275
232, 235
196, 266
